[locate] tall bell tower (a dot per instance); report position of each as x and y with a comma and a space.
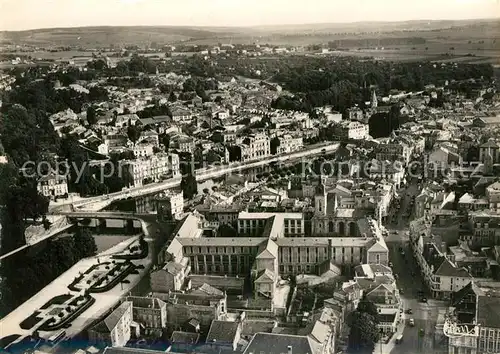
320, 198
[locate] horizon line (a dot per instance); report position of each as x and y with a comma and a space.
483, 19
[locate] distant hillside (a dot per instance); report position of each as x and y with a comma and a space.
106, 36
283, 34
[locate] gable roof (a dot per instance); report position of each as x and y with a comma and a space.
110, 322
184, 337
488, 311
449, 270
490, 144
378, 247
279, 343
270, 251
207, 289
462, 293
173, 268
223, 332
320, 332
265, 276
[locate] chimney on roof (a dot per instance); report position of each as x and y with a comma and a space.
289, 349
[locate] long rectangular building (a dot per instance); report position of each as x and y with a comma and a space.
235, 256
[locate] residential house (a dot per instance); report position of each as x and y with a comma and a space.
183, 342
489, 148
114, 330
474, 321
143, 150
385, 170
203, 303
224, 334
347, 130
255, 146
181, 115
53, 186
484, 122
393, 151
378, 285
485, 228
432, 199
125, 120
149, 312
441, 275
170, 277
289, 144
442, 158
493, 195
169, 205
356, 114
315, 343
153, 169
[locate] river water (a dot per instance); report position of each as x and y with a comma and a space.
145, 204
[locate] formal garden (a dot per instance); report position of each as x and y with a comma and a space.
31, 321
58, 312
137, 250
61, 317
104, 276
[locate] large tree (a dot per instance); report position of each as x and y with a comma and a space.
165, 140
91, 115
189, 186
364, 332
133, 133
85, 245
275, 143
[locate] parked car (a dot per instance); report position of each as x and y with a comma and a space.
411, 322
409, 311
424, 299
401, 291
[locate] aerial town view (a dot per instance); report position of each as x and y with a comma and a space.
249, 177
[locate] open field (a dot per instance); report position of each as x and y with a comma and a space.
106, 36
96, 37
440, 41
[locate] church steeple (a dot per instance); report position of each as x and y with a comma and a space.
374, 100
320, 187
320, 198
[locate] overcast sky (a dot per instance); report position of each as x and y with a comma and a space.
29, 14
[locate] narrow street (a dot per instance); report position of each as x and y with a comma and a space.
420, 337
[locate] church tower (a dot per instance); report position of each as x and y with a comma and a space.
374, 100
488, 163
320, 198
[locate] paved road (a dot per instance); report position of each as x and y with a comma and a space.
409, 279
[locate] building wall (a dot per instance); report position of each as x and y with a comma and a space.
254, 227
489, 340
162, 282
154, 168
463, 345
179, 314
444, 286
151, 317
120, 334
53, 187
378, 257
